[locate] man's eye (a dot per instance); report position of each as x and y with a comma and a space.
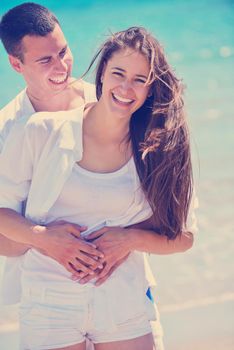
45, 61
62, 53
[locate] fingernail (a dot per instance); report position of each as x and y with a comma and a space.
91, 273
74, 278
100, 266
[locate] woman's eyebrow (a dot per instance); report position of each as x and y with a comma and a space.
123, 70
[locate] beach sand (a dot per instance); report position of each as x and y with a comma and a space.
206, 327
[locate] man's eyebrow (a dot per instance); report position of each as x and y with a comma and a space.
43, 58
48, 57
137, 75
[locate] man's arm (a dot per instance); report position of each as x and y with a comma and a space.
10, 248
60, 241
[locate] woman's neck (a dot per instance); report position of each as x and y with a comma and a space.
105, 125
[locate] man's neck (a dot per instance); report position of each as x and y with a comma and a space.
70, 98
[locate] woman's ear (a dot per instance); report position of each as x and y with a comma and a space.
150, 93
103, 72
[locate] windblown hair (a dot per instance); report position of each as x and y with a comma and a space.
26, 19
158, 132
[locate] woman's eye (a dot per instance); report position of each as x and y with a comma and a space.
141, 81
118, 74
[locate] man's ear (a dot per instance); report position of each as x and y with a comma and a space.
15, 63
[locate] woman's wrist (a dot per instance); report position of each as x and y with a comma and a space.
134, 239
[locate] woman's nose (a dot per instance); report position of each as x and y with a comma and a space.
126, 85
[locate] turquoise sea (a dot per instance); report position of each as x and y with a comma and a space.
198, 37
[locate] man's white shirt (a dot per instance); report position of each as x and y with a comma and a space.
21, 108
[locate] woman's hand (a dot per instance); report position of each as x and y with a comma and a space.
99, 275
62, 242
114, 242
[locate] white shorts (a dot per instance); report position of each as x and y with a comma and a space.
50, 319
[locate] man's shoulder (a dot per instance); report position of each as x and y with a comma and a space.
47, 130
53, 120
9, 114
13, 110
10, 110
89, 92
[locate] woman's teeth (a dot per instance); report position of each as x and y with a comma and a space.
122, 99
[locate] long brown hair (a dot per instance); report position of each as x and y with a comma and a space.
158, 132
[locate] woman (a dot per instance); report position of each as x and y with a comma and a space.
121, 161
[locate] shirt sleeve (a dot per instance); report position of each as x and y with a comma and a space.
89, 92
15, 169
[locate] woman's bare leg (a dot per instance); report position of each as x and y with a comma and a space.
80, 346
145, 342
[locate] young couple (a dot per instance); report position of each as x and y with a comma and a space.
86, 187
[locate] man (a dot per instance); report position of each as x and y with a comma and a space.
38, 50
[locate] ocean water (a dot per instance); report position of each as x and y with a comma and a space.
198, 37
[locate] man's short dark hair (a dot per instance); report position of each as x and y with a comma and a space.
26, 19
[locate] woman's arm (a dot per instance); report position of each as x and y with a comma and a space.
116, 243
143, 238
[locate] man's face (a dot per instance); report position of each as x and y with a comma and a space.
47, 63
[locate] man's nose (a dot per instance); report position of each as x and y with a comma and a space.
60, 65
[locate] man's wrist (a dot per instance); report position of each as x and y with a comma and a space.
38, 236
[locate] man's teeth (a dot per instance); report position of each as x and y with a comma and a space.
58, 80
122, 99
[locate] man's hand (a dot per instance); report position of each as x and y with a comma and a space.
62, 242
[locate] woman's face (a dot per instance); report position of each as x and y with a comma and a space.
124, 88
